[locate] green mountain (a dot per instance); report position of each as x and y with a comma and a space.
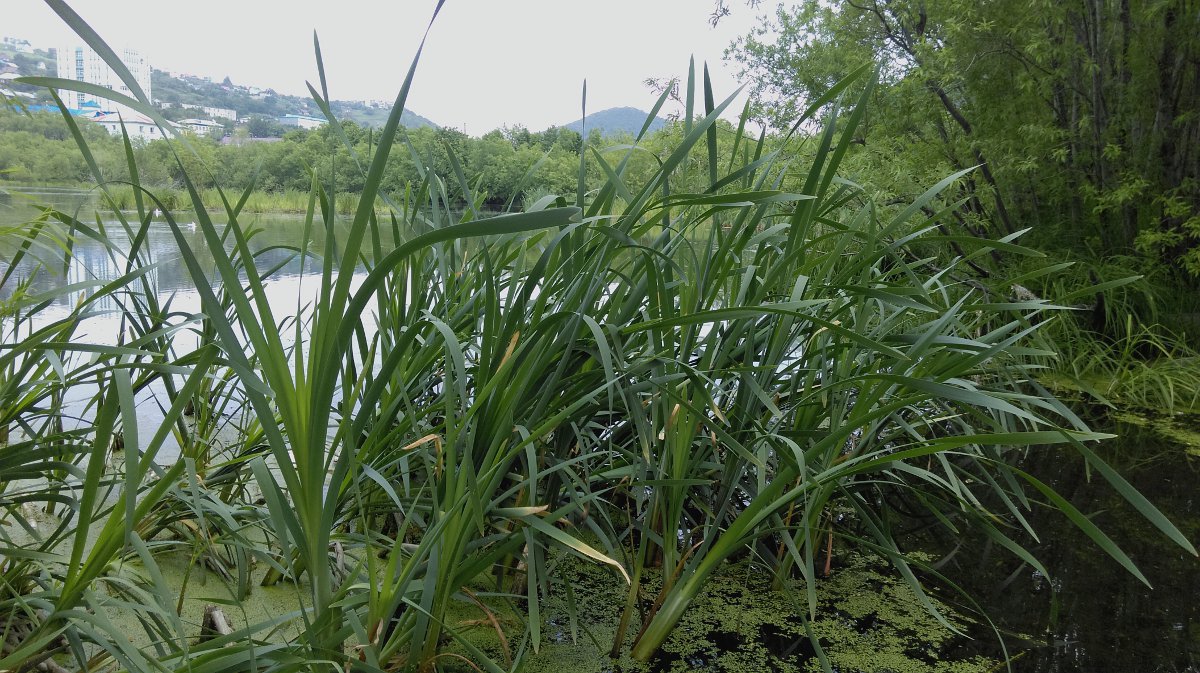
376, 116
617, 120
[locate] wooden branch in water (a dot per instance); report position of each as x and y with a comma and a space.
214, 624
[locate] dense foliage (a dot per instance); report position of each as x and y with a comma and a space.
502, 165
1082, 114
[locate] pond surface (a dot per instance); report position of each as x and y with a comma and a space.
1091, 615
293, 283
92, 260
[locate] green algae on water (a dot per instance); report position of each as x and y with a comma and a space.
868, 621
1179, 429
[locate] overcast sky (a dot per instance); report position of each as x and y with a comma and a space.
487, 63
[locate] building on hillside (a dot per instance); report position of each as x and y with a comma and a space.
137, 125
17, 44
201, 127
301, 121
82, 64
215, 112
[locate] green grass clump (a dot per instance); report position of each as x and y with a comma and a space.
1124, 341
660, 382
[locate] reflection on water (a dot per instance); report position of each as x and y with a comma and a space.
68, 278
1091, 615
274, 243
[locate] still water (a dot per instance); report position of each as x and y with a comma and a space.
92, 261
1090, 615
292, 284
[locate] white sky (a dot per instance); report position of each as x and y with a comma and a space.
487, 63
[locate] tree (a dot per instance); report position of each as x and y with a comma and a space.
1080, 115
264, 127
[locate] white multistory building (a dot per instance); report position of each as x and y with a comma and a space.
85, 65
138, 126
214, 112
301, 121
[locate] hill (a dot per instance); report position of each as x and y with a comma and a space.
617, 120
375, 115
171, 90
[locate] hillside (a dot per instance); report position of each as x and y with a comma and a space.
14, 63
170, 90
617, 120
376, 116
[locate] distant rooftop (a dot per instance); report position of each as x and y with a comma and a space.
305, 117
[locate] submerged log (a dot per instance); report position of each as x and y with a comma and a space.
214, 624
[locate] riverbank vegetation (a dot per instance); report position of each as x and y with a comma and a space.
1130, 341
503, 166
1081, 117
708, 356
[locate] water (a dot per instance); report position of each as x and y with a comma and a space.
1091, 615
93, 261
293, 283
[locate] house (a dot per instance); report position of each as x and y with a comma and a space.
17, 44
137, 125
301, 121
214, 112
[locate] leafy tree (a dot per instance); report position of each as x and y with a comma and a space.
517, 135
1080, 114
559, 136
264, 127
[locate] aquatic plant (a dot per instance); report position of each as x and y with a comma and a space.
1124, 340
645, 377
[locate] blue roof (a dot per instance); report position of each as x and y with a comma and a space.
54, 108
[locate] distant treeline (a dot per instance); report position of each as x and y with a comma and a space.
502, 165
